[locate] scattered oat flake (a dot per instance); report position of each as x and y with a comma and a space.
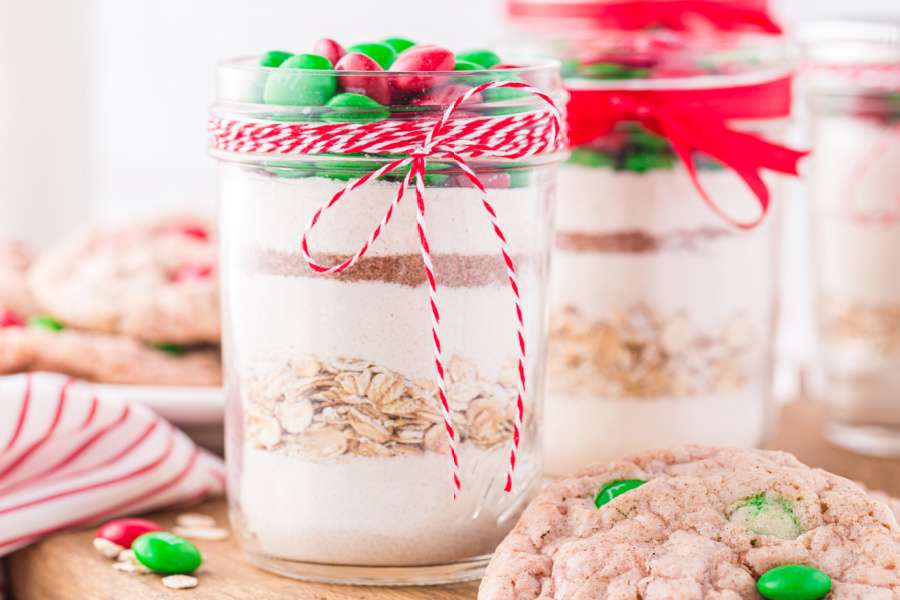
195, 520
107, 548
180, 582
201, 533
131, 567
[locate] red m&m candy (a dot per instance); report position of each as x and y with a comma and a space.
421, 58
374, 87
10, 319
330, 49
125, 531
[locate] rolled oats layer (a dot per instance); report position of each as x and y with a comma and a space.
640, 354
320, 409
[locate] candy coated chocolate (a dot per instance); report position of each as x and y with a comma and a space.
124, 531
297, 82
381, 53
330, 49
376, 87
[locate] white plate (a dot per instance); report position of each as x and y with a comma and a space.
180, 405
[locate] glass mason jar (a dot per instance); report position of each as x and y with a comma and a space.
853, 97
662, 310
339, 466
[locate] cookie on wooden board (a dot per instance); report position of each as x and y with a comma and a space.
695, 523
153, 280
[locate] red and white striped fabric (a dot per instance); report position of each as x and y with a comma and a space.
70, 457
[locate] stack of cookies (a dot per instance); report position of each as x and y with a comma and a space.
134, 305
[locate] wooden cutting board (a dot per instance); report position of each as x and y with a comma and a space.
66, 566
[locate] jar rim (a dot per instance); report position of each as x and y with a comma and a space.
250, 63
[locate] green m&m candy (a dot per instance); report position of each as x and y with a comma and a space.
794, 582
274, 58
613, 489
166, 553
381, 53
485, 58
170, 348
399, 44
301, 80
45, 322
466, 65
355, 108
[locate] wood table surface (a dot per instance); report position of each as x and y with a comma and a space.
66, 566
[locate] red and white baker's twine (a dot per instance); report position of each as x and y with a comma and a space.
513, 136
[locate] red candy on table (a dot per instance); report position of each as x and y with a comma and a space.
189, 272
330, 49
421, 58
10, 319
125, 531
375, 88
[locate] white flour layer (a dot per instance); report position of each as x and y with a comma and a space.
387, 324
273, 212
379, 512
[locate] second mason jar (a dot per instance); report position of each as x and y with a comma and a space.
346, 460
664, 280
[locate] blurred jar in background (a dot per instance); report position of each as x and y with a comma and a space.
853, 91
695, 16
664, 279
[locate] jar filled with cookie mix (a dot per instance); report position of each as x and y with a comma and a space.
386, 228
664, 279
852, 90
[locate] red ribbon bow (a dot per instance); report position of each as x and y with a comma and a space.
677, 15
696, 120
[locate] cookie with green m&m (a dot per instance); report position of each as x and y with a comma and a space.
701, 523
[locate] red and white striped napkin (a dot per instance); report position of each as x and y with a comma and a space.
71, 457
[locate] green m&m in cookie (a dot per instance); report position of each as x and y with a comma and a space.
794, 582
613, 489
301, 80
45, 322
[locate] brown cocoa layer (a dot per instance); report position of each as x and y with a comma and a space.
637, 241
451, 270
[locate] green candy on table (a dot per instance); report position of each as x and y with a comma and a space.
297, 82
382, 53
794, 582
485, 58
166, 553
45, 322
399, 44
614, 489
274, 58
588, 157
170, 348
612, 71
766, 514
355, 108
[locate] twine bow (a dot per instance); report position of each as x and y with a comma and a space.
512, 136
